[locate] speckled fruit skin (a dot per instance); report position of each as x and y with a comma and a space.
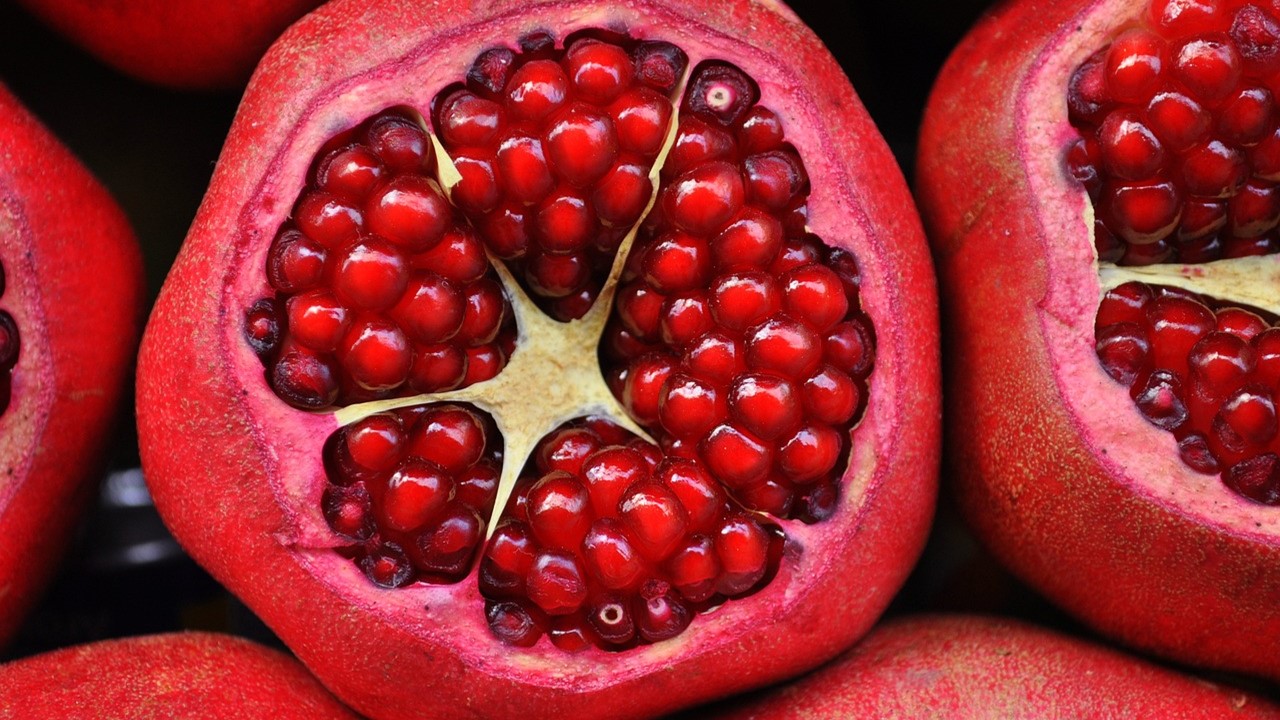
186, 676
973, 668
237, 475
1054, 466
188, 44
73, 279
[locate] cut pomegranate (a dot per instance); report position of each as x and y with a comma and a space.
576, 357
71, 301
1126, 401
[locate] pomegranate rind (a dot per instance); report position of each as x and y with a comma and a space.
73, 276
180, 676
1053, 465
237, 474
960, 667
176, 43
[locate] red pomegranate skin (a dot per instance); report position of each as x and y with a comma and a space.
178, 43
74, 286
1139, 550
180, 676
959, 667
218, 446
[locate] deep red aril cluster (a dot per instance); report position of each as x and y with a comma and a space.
8, 349
554, 149
411, 490
1181, 146
736, 338
1208, 376
609, 543
379, 291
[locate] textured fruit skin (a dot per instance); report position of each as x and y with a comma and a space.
959, 667
180, 676
74, 287
217, 445
179, 43
1114, 529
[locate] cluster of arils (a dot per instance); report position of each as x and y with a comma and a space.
378, 290
8, 349
1181, 146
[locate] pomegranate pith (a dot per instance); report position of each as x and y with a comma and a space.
609, 570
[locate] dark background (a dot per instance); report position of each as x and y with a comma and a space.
155, 150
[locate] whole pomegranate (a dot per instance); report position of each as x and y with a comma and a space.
959, 667
567, 359
1099, 179
180, 43
70, 311
187, 676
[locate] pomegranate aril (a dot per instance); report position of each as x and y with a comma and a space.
507, 561
676, 262
387, 566
327, 219
704, 199
1209, 67
659, 65
685, 317
304, 379
557, 276
743, 549
459, 257
1160, 400
522, 166
610, 555
467, 120
750, 242
640, 119
741, 300
446, 549
809, 453
430, 310
1195, 452
1123, 350
556, 584
655, 518
607, 475
766, 405
410, 211
689, 407
261, 329
1257, 478
401, 144
513, 624
695, 569
697, 142
376, 354
558, 511
437, 368
449, 436
1256, 36
483, 312
1247, 418
721, 92
415, 495
348, 511
295, 262
370, 275
611, 619
1174, 326
1178, 120
351, 172
537, 89
566, 450
376, 442
760, 131
697, 492
736, 457
1134, 64
659, 614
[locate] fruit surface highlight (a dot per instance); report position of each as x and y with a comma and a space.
184, 676
70, 310
958, 667
558, 353
1115, 434
178, 43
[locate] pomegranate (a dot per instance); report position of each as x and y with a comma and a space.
961, 667
578, 358
70, 311
179, 676
1104, 186
179, 43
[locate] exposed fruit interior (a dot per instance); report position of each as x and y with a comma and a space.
8, 349
658, 375
1180, 154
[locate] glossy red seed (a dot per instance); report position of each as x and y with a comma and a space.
640, 119
1134, 64
449, 436
401, 143
830, 396
676, 262
376, 354
447, 548
1257, 478
556, 583
507, 560
810, 453
536, 90
467, 120
512, 624
327, 219
558, 513
437, 368
704, 199
610, 557
690, 407
416, 494
352, 172
734, 456
608, 473
375, 443
721, 92
305, 380
295, 262
750, 242
581, 144
643, 391
652, 514
744, 299
598, 71
410, 211
766, 405
370, 274
742, 547
695, 569
1123, 350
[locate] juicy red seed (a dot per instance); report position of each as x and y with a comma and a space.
416, 494
536, 90
370, 275
449, 436
784, 346
376, 355
564, 222
567, 450
640, 310
347, 510
741, 300
751, 242
1257, 37
607, 475
810, 453
831, 396
328, 220
766, 405
697, 143
476, 191
483, 363
387, 566
653, 515
1124, 351
1195, 452
483, 311
295, 262
459, 258
1177, 120
1160, 399
684, 319
1125, 303
1257, 478
849, 347
695, 569
774, 179
1175, 324
261, 329
640, 119
1134, 65
305, 380
761, 131
659, 65
612, 620
703, 200
522, 165
622, 195
581, 144
507, 560
558, 511
401, 143
697, 492
375, 443
772, 496
676, 262
491, 71
556, 583
1219, 362
410, 211
610, 555
814, 295
430, 310
437, 368
660, 616
598, 71
1247, 418
447, 548
736, 457
350, 172
467, 120
1209, 67
476, 486
743, 549
689, 407
721, 92
512, 624
716, 358
643, 391
1131, 151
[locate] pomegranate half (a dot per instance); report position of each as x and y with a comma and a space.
562, 358
1099, 182
70, 311
959, 667
177, 43
184, 676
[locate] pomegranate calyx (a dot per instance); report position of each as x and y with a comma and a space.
1253, 281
